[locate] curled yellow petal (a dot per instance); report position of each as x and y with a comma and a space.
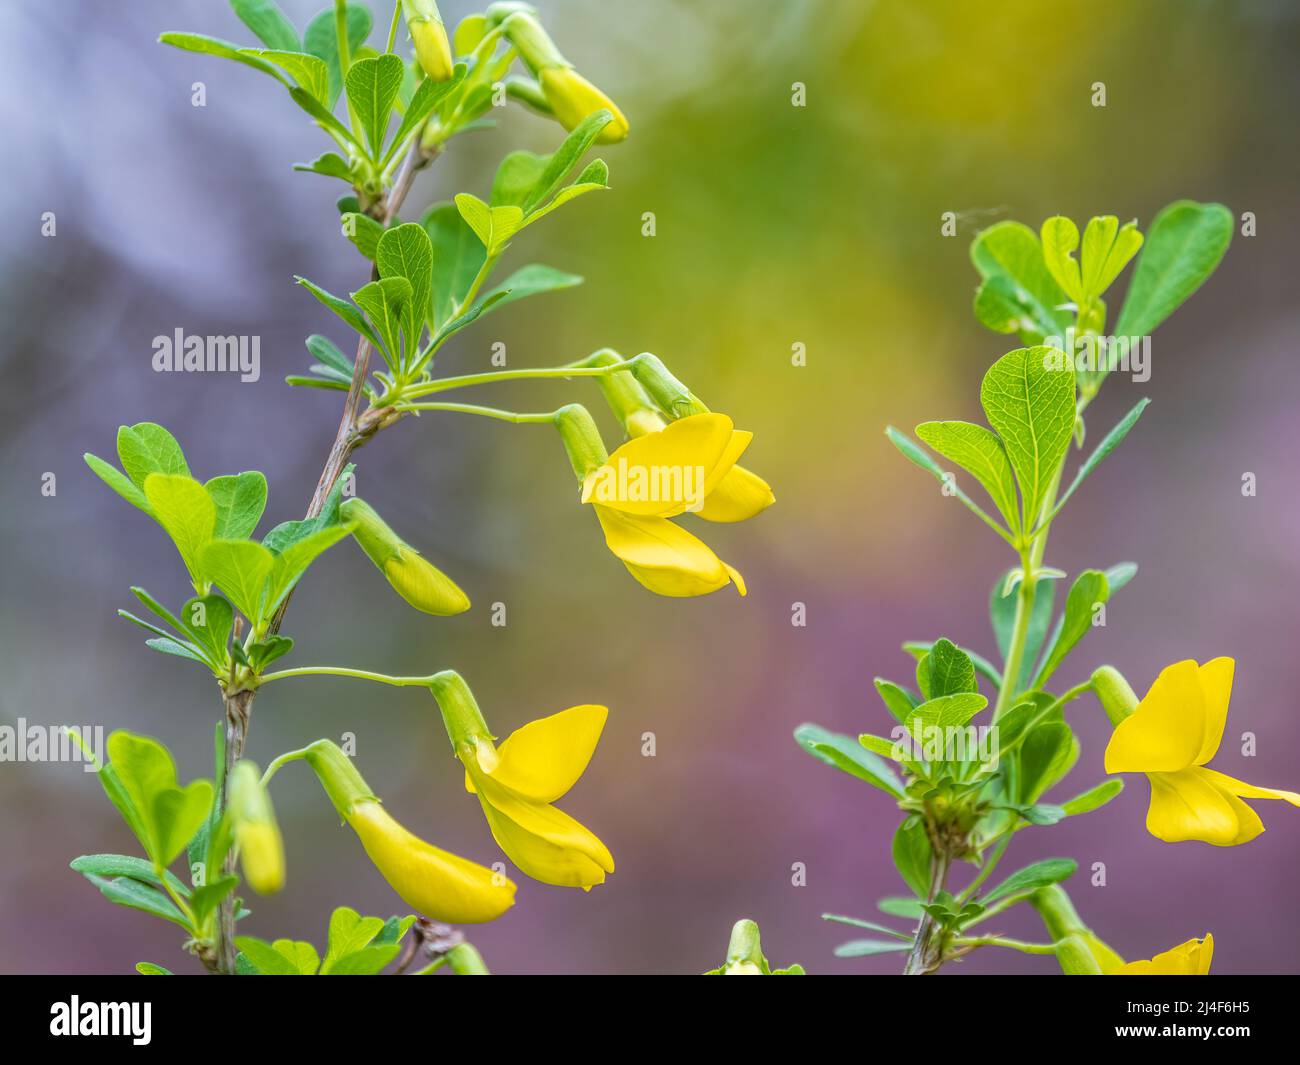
1187, 959
1216, 689
738, 496
663, 556
544, 759
1187, 806
572, 97
435, 882
1166, 731
543, 841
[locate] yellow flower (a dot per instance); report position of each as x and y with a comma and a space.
256, 833
1187, 959
572, 97
689, 465
433, 881
412, 576
1170, 736
517, 782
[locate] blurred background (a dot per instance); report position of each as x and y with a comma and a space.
775, 226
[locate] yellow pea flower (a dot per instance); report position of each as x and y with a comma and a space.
429, 35
517, 782
1187, 959
432, 881
1170, 736
688, 465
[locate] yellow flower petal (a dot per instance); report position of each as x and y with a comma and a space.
1187, 959
1216, 686
435, 882
572, 97
544, 759
664, 473
1187, 805
543, 841
1248, 791
1165, 733
736, 446
738, 496
664, 557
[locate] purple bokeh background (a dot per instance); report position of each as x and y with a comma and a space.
775, 225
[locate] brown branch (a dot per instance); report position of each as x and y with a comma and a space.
353, 431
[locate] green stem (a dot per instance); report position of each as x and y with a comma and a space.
277, 763
984, 873
345, 671
517, 418
446, 384
1010, 944
392, 27
1019, 634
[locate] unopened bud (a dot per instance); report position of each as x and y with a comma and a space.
581, 438
261, 850
1114, 694
430, 37
412, 576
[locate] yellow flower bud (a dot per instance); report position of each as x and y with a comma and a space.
414, 578
572, 97
433, 881
261, 850
430, 38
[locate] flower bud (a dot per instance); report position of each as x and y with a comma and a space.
668, 392
1075, 958
570, 96
430, 38
414, 578
261, 850
581, 438
435, 882
1114, 694
744, 952
631, 404
460, 711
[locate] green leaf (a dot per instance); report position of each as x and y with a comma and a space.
288, 533
240, 568
530, 281
1042, 813
1094, 798
1031, 877
115, 865
981, 454
292, 562
1120, 574
184, 509
458, 255
148, 968
198, 42
209, 622
565, 158
917, 455
1184, 246
309, 72
158, 609
372, 86
1060, 237
146, 448
1032, 409
349, 932
406, 252
169, 814
127, 892
897, 700
947, 711
480, 307
208, 897
1110, 443
912, 852
269, 24
304, 956
269, 961
494, 226
848, 756
365, 962
1002, 612
343, 309
321, 40
949, 670
388, 304
329, 354
427, 97
180, 648
1107, 249
1089, 589
118, 481
322, 116
329, 165
261, 655
866, 948
1046, 755
871, 926
898, 906
1019, 294
920, 648
240, 500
